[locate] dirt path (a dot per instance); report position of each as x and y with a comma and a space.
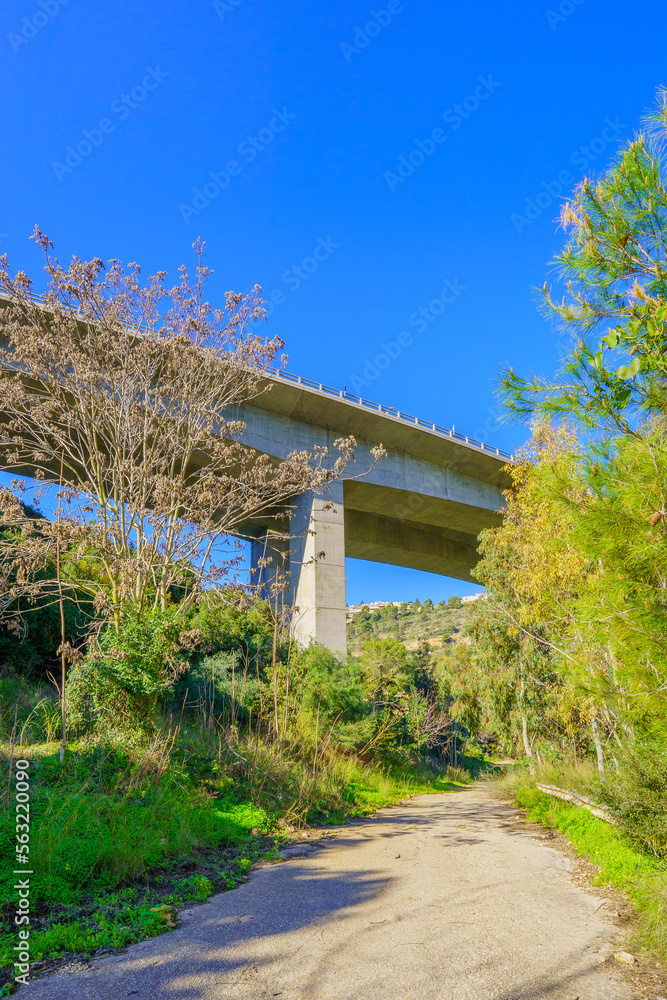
445, 897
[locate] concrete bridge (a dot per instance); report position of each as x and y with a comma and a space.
421, 506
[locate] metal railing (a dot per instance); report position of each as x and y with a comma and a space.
388, 411
367, 404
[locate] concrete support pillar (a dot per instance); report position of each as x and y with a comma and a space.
317, 568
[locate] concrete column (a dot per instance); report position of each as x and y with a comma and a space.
317, 567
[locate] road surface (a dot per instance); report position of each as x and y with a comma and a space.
446, 897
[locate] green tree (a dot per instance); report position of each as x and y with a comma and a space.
613, 306
385, 669
616, 503
331, 687
614, 303
533, 572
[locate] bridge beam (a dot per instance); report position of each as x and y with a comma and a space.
428, 547
317, 569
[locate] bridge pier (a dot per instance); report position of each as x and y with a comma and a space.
317, 569
310, 559
269, 566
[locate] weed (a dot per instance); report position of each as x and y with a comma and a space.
195, 887
104, 929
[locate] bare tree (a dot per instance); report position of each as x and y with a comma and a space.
125, 386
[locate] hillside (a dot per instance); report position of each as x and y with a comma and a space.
409, 622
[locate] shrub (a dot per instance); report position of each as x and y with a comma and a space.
331, 686
386, 669
226, 625
377, 734
636, 794
117, 685
220, 685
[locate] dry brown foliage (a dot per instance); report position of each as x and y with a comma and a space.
123, 384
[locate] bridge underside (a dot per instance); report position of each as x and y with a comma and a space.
363, 521
422, 505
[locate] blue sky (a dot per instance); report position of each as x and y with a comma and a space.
421, 142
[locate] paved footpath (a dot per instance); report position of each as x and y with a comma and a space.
442, 898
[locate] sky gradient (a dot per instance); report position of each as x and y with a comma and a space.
419, 146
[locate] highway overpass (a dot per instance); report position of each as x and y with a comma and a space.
421, 506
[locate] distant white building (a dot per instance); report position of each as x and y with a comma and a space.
353, 609
373, 606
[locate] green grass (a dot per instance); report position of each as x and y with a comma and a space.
641, 876
87, 842
125, 925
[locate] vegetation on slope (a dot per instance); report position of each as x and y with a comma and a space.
411, 623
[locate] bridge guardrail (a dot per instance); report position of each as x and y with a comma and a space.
388, 411
368, 404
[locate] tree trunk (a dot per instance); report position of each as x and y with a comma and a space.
524, 726
528, 750
274, 666
317, 732
63, 662
598, 748
524, 730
